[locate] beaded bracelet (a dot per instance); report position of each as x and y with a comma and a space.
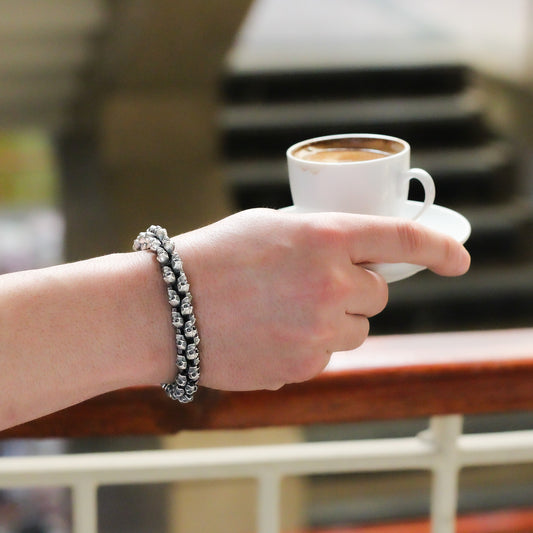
155, 239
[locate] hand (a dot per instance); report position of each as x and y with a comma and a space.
276, 293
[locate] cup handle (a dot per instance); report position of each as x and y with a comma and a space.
429, 188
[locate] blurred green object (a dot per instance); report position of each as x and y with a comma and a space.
31, 225
28, 172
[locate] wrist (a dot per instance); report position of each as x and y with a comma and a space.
149, 328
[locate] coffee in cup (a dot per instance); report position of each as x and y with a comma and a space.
345, 150
355, 173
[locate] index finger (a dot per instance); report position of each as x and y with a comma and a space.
392, 240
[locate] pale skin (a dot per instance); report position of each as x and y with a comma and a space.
274, 295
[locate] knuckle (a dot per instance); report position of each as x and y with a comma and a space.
274, 386
321, 233
320, 333
309, 367
411, 239
449, 252
381, 296
359, 332
362, 332
303, 374
330, 286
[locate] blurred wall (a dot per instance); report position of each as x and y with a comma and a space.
143, 146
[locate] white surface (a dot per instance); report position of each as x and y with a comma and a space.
437, 218
491, 34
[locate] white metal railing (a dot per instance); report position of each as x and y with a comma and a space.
441, 449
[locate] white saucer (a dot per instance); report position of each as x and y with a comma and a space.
437, 218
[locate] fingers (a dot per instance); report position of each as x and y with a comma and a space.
367, 298
437, 251
391, 240
369, 293
352, 332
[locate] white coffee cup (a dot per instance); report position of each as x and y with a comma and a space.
355, 173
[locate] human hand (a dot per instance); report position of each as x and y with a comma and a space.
276, 293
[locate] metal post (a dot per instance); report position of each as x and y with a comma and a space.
268, 504
444, 432
85, 506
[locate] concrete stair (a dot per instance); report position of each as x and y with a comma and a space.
438, 109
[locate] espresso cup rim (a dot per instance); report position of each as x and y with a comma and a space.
296, 146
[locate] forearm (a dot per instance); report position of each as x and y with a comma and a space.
74, 331
274, 295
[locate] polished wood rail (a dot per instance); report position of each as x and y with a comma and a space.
389, 377
507, 521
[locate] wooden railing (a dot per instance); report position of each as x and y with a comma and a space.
389, 377
439, 375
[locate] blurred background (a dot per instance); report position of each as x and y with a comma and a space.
118, 114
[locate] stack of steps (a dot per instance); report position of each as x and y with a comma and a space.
439, 111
